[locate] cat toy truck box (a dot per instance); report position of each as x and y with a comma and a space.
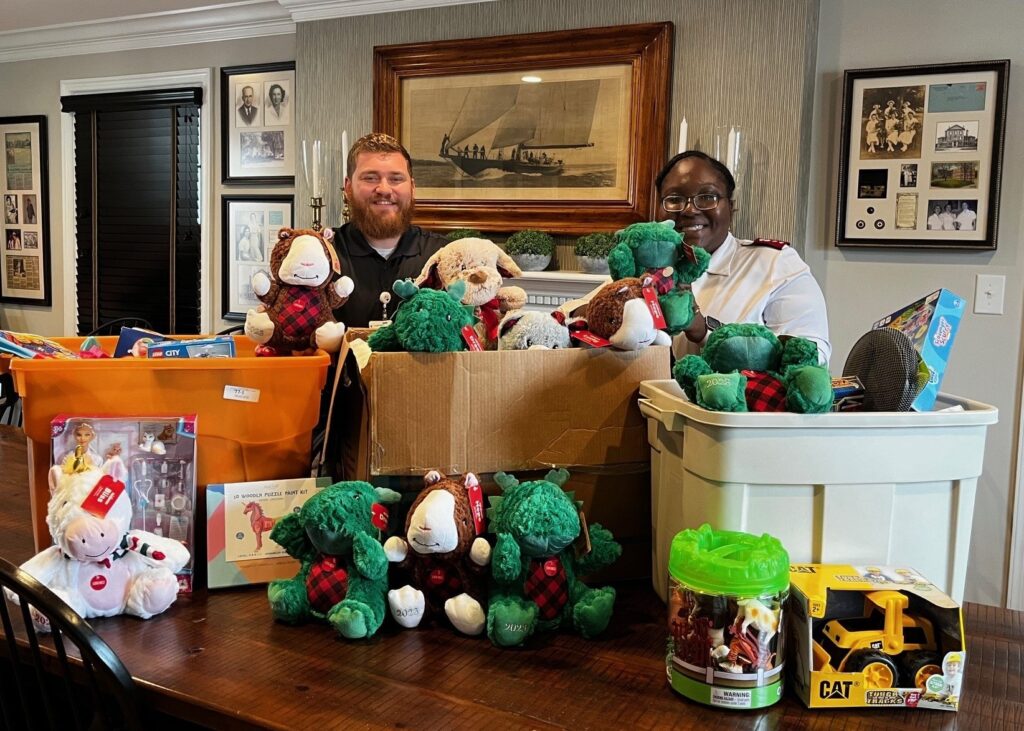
931, 324
873, 636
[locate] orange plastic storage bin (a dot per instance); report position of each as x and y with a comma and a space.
255, 415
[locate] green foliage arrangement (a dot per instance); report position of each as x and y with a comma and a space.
530, 241
463, 233
596, 245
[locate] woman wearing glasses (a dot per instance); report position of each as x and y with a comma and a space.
761, 281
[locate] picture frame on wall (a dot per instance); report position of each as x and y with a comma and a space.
921, 155
561, 131
249, 226
24, 190
258, 124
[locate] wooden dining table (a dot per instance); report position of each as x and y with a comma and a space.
218, 659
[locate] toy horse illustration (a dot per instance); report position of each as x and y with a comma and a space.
260, 522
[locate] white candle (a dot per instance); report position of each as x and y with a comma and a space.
682, 135
344, 154
730, 154
317, 188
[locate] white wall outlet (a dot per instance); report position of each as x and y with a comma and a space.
988, 294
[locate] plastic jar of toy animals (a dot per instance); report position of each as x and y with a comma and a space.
726, 593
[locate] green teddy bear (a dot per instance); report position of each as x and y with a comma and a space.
428, 321
656, 250
343, 576
746, 367
534, 566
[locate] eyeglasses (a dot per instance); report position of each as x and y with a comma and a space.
701, 201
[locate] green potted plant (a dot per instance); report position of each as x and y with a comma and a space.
530, 249
592, 252
463, 233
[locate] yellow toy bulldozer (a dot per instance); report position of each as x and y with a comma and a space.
891, 647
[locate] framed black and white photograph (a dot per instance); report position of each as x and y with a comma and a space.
25, 255
920, 161
562, 131
258, 123
249, 226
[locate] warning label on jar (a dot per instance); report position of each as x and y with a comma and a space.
730, 697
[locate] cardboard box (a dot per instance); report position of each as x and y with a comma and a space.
873, 636
931, 324
407, 413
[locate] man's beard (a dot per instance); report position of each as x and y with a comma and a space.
374, 226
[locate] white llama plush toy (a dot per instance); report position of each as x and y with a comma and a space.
98, 566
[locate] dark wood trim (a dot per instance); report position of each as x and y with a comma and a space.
646, 47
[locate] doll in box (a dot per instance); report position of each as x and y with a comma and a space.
83, 454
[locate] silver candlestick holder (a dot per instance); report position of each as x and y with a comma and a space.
317, 204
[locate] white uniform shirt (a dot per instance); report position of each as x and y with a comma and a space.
966, 219
761, 284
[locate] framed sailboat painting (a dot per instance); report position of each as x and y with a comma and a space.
559, 131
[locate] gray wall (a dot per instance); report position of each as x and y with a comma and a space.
33, 87
862, 285
746, 62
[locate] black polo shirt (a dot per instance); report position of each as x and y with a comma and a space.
373, 274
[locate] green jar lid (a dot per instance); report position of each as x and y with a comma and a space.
729, 562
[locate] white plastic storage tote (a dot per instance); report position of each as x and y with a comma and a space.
860, 488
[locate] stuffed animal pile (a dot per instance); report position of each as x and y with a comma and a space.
97, 565
481, 265
443, 565
298, 301
745, 367
343, 574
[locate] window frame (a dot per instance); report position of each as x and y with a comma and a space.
202, 78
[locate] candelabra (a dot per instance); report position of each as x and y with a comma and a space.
317, 204
314, 169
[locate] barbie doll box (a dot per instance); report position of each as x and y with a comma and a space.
931, 324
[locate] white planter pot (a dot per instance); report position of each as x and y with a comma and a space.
593, 264
532, 262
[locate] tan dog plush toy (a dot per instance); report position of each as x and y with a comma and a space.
297, 314
481, 264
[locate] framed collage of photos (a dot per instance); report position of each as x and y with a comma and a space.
25, 255
921, 156
249, 226
258, 124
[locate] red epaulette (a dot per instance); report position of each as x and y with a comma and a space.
777, 244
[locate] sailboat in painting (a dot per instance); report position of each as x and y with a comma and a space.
521, 123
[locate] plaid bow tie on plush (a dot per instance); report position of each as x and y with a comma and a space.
327, 583
547, 586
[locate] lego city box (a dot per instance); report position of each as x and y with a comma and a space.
406, 413
931, 324
873, 636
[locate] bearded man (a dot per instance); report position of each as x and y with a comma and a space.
379, 245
